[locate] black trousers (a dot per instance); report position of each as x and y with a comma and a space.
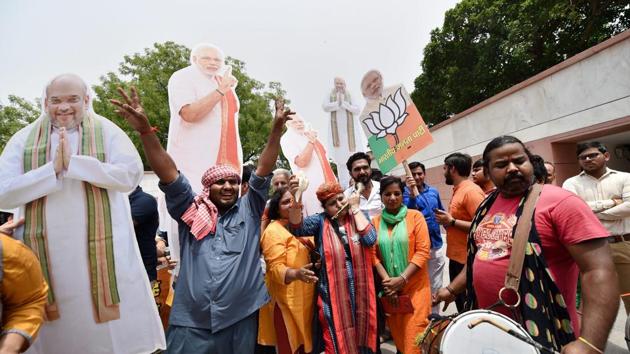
454, 268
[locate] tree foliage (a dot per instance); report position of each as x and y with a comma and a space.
150, 71
14, 116
487, 46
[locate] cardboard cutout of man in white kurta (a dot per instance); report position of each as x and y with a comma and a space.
203, 130
345, 135
307, 155
60, 176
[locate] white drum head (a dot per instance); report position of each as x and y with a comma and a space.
483, 338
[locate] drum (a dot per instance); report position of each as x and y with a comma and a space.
432, 337
455, 336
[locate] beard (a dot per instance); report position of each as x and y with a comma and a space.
363, 179
448, 178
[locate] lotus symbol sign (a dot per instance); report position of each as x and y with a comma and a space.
389, 116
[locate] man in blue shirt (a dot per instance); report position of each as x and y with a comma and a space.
426, 201
220, 285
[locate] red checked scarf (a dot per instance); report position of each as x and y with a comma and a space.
104, 289
202, 214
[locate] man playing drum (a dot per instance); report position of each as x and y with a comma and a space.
565, 239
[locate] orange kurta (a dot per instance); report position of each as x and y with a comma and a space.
23, 290
283, 251
406, 327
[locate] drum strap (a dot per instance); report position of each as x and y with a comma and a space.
521, 236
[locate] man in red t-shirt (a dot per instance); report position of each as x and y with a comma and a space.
572, 241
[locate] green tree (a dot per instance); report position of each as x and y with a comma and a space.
14, 116
150, 71
487, 46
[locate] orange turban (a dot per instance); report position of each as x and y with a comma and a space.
328, 190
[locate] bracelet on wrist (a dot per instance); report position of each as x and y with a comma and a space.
453, 221
450, 290
153, 130
402, 275
591, 345
219, 92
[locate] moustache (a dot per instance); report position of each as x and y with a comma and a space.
517, 177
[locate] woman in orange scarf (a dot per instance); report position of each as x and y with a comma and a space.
401, 260
290, 281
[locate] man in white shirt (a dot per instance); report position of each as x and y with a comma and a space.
607, 193
370, 200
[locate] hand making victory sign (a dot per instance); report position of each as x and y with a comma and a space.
132, 111
282, 113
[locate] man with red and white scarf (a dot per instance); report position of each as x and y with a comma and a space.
220, 285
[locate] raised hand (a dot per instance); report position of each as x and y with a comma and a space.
132, 111
282, 113
294, 183
228, 81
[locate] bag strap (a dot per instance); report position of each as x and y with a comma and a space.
521, 236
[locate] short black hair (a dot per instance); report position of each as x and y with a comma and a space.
357, 156
389, 180
461, 162
416, 164
274, 203
377, 175
477, 164
591, 144
247, 173
497, 143
540, 171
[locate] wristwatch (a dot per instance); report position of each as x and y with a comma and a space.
453, 222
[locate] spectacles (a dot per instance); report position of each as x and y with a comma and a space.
589, 156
